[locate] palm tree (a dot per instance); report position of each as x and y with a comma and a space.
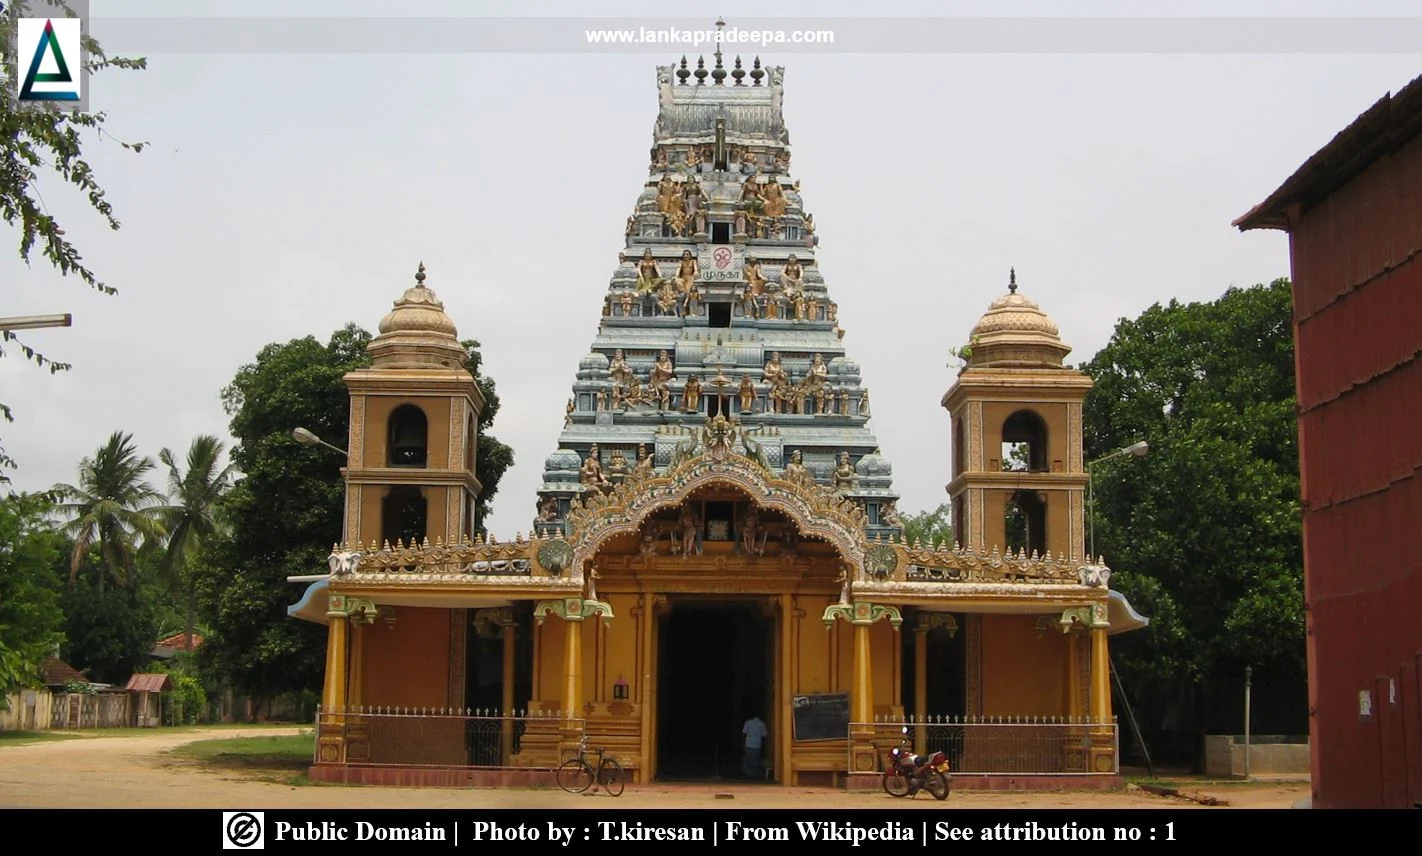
112, 506
191, 518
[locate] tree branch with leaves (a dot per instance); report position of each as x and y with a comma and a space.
40, 141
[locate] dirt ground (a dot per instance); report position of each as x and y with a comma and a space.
137, 772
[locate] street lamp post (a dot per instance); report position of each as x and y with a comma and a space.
1137, 449
306, 438
34, 322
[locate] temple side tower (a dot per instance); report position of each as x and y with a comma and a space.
414, 418
1019, 480
717, 308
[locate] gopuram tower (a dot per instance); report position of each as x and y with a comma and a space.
718, 310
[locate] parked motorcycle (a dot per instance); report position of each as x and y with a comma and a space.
908, 772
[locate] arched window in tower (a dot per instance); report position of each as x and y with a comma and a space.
958, 463
403, 515
1025, 522
471, 440
408, 444
1024, 443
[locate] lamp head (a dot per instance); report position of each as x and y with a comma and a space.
1139, 449
304, 437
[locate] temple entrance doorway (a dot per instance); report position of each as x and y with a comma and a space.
715, 669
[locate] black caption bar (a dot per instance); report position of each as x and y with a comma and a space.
1145, 830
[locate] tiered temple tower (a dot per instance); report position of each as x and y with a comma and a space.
718, 309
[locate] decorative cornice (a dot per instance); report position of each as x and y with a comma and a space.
573, 609
861, 614
815, 509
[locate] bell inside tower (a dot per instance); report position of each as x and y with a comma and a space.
409, 437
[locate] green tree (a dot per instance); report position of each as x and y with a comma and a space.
1203, 534
31, 621
191, 518
930, 528
43, 140
110, 631
113, 507
286, 511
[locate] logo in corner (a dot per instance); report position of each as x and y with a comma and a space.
243, 830
52, 49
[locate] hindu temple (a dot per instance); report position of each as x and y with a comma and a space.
716, 535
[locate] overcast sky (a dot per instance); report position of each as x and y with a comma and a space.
287, 194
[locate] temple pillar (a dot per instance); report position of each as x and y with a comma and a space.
1103, 742
572, 610
920, 688
862, 755
341, 611
506, 734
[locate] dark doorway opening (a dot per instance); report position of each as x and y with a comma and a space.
484, 682
720, 233
714, 672
719, 313
947, 681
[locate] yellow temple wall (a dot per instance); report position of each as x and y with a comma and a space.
549, 639
815, 667
377, 436
407, 663
616, 653
1010, 644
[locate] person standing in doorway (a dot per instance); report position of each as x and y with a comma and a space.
755, 733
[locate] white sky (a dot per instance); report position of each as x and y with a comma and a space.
289, 194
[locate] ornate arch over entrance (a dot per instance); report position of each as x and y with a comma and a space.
718, 459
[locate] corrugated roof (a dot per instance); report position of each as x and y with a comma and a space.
149, 684
57, 673
178, 641
1391, 123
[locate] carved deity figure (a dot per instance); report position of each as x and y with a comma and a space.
782, 394
796, 471
693, 158
668, 196
809, 224
792, 276
750, 302
568, 417
691, 397
644, 461
845, 478
649, 276
690, 529
750, 164
619, 369
617, 469
631, 224
667, 302
686, 273
693, 197
662, 370
774, 371
751, 197
601, 399
591, 472
819, 373
747, 394
548, 510
864, 403
889, 515
659, 159
750, 534
634, 395
774, 197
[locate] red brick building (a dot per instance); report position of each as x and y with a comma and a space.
1353, 212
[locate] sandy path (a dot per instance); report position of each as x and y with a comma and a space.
135, 772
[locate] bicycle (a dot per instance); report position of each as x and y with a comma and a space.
578, 774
